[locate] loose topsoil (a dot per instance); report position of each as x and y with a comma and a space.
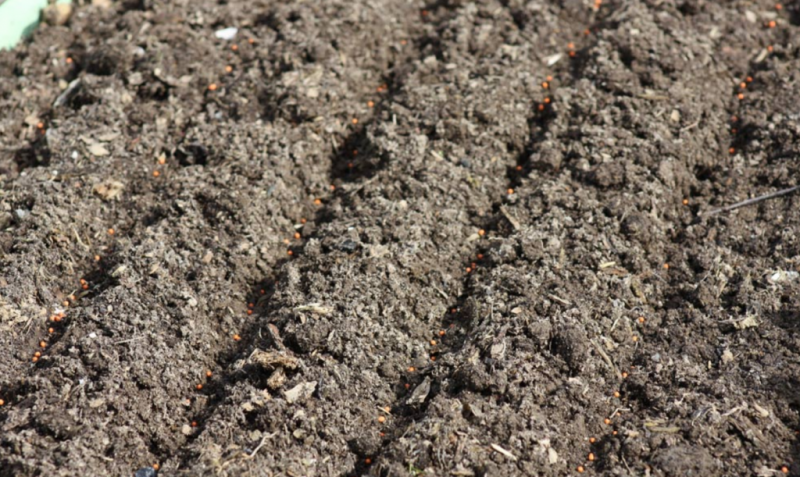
399, 238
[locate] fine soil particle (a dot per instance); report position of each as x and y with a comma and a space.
396, 238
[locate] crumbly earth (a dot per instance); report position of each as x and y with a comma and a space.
399, 237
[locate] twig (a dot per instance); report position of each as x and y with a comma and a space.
754, 200
606, 358
260, 445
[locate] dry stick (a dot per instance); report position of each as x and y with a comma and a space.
754, 200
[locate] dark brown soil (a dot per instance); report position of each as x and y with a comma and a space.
455, 238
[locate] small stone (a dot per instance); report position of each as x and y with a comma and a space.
552, 456
146, 472
102, 3
57, 14
727, 357
300, 392
186, 430
226, 33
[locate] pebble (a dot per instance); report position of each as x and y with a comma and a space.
146, 472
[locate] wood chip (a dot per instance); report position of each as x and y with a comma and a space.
747, 322
273, 359
108, 190
461, 471
511, 219
98, 150
763, 412
503, 451
276, 379
317, 308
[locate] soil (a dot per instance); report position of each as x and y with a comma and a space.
398, 238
